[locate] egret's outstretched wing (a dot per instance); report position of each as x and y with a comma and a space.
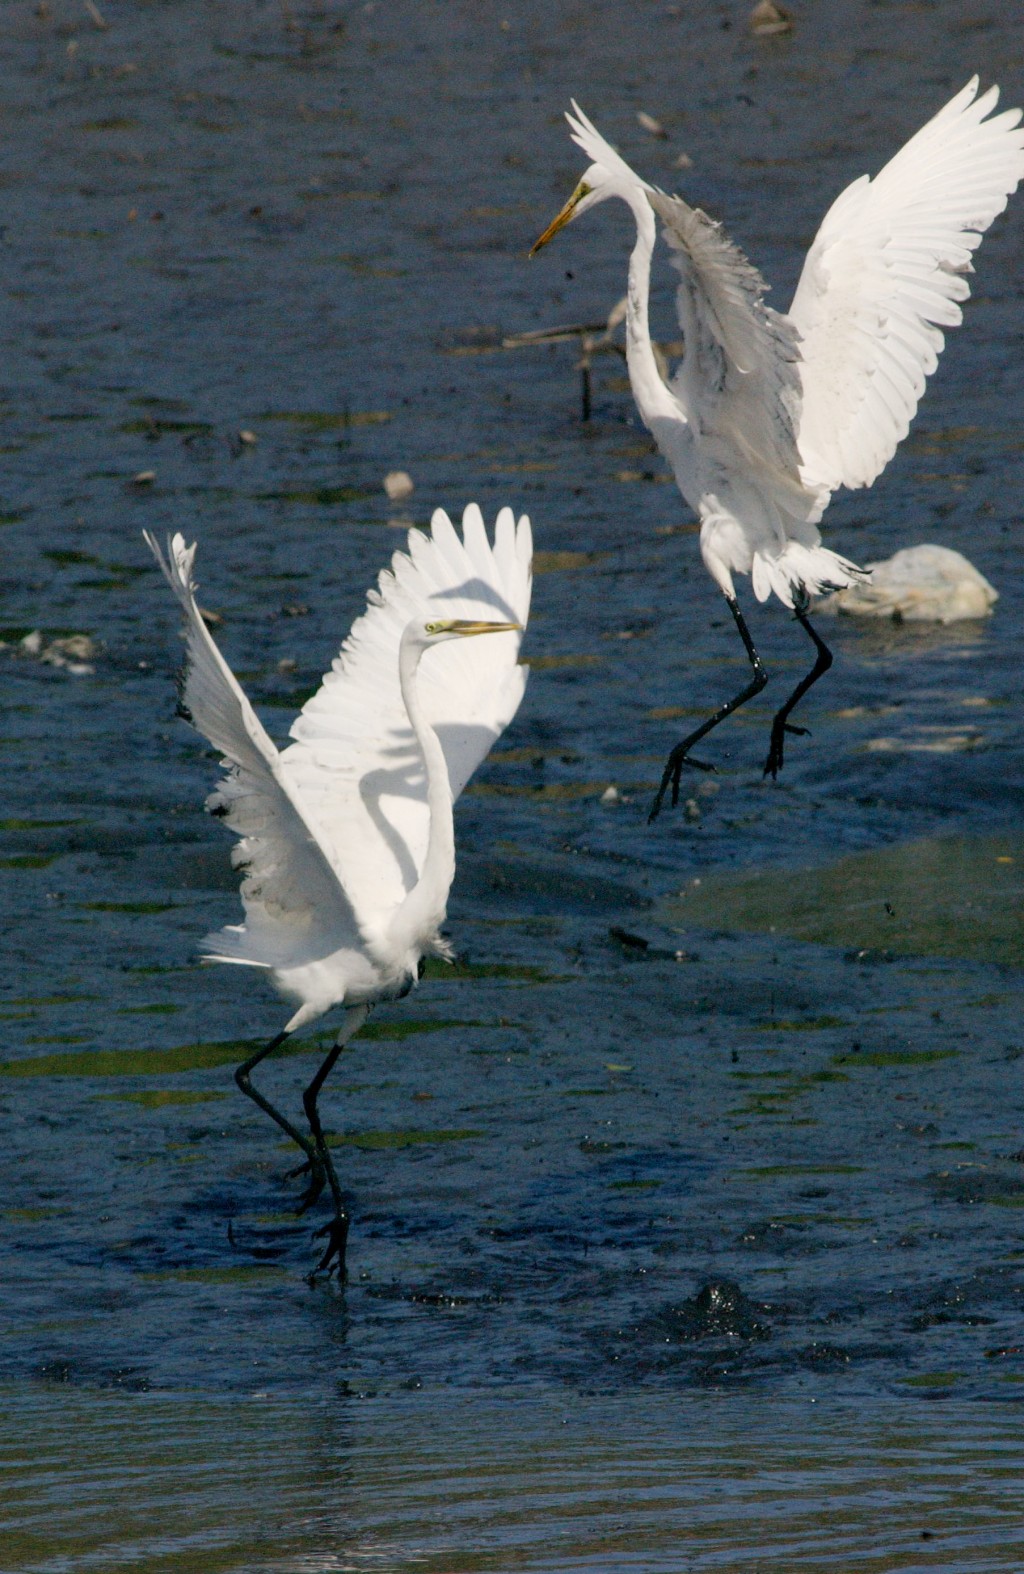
739, 380
295, 909
884, 277
355, 758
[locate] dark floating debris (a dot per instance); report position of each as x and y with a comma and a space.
719, 1310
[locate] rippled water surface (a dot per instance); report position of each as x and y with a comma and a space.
687, 1208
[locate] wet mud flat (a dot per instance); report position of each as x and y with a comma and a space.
687, 1207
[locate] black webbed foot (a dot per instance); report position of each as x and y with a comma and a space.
333, 1258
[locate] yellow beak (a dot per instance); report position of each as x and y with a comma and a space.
465, 627
561, 219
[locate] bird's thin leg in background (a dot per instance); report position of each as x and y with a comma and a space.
680, 755
337, 1230
781, 724
586, 347
316, 1169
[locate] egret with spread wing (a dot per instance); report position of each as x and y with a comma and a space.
768, 413
346, 837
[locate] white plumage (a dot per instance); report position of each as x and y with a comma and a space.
768, 413
333, 829
346, 840
885, 274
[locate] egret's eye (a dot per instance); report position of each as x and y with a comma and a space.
435, 628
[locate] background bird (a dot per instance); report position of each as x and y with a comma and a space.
346, 836
767, 414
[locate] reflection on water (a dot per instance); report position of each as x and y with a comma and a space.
447, 1482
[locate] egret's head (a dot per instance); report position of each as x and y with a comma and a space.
608, 176
590, 191
464, 628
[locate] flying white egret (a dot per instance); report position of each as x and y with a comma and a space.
346, 836
767, 414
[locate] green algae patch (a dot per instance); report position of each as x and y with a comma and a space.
951, 896
436, 967
194, 1057
132, 1062
635, 1185
564, 663
402, 1027
241, 1273
327, 420
932, 1380
896, 1057
158, 426
802, 1024
564, 562
388, 1141
17, 824
48, 1000
774, 1171
162, 1098
32, 1216
158, 1009
318, 496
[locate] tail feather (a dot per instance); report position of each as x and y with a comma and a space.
800, 570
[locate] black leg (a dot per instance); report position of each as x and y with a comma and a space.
781, 724
316, 1170
584, 375
337, 1230
680, 755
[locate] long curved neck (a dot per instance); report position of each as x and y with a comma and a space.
653, 398
423, 911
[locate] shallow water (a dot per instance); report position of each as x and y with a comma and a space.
687, 1209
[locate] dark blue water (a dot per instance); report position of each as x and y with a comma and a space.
661, 1201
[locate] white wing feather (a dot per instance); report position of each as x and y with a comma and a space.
355, 760
885, 274
295, 909
739, 379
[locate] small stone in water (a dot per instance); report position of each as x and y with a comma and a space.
768, 20
398, 484
649, 123
611, 795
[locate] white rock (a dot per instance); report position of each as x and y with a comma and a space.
611, 795
925, 584
398, 484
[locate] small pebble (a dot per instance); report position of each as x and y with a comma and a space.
649, 123
398, 484
611, 795
79, 647
247, 437
769, 21
144, 478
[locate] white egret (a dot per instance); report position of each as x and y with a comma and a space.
767, 414
346, 838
